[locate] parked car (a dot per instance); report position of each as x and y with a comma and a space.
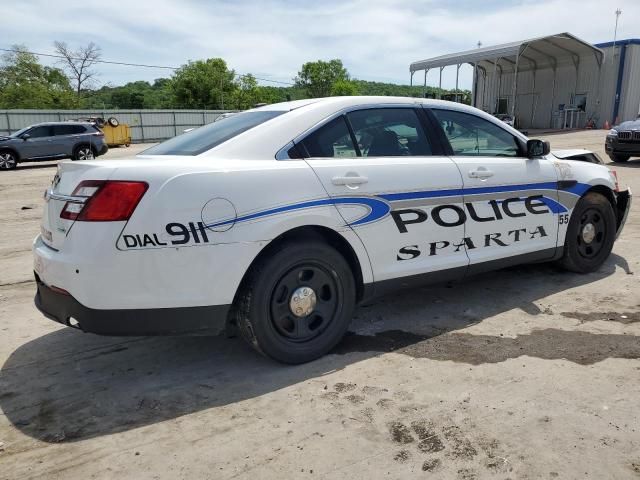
623, 141
278, 221
50, 141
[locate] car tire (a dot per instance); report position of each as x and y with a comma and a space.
8, 160
84, 152
620, 158
590, 234
113, 121
297, 302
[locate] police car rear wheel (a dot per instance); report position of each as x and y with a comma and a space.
590, 234
298, 302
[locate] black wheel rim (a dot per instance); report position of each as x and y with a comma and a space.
302, 328
592, 232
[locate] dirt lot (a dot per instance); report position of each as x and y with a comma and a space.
528, 373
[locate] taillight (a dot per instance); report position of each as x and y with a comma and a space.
106, 200
84, 191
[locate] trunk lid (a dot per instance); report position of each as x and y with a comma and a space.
54, 230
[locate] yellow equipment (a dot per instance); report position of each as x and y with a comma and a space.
118, 135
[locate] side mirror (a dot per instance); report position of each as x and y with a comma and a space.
26, 137
537, 148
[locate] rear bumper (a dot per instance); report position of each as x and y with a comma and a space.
623, 205
102, 150
61, 308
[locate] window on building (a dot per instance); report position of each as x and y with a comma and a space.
580, 101
503, 105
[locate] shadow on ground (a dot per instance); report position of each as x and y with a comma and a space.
631, 163
36, 165
67, 386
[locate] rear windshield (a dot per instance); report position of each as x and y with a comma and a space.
205, 138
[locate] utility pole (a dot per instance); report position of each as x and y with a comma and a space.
222, 92
474, 93
615, 34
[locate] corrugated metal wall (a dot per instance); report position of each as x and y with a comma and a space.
537, 100
536, 107
630, 95
146, 125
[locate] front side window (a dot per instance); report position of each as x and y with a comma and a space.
389, 132
41, 131
205, 138
470, 135
20, 132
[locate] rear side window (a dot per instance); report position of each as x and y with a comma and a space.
205, 138
470, 135
377, 132
389, 132
68, 129
331, 140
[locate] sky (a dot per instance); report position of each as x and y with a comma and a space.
376, 39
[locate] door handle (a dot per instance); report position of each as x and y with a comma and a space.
355, 180
481, 172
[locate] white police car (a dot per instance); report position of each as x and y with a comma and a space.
279, 220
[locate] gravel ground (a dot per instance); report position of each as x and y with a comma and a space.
526, 373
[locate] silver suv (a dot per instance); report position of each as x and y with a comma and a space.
52, 141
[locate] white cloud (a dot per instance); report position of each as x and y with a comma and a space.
376, 39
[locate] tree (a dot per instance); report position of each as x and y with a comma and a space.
78, 63
344, 88
138, 95
248, 93
160, 94
318, 78
24, 83
204, 84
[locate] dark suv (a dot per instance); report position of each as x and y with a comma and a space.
50, 141
623, 141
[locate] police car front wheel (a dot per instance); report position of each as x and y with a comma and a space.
298, 302
590, 235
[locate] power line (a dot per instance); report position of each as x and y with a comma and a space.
131, 64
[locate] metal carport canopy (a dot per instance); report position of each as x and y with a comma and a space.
541, 51
524, 55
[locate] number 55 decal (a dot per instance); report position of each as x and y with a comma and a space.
563, 218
